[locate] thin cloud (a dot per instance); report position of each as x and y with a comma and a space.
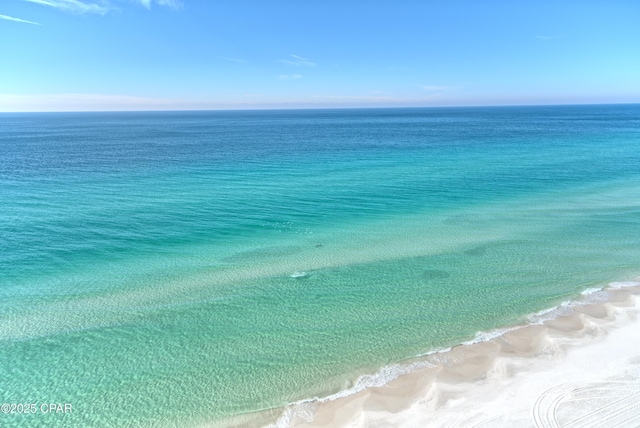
101, 7
174, 4
24, 21
289, 77
74, 6
297, 61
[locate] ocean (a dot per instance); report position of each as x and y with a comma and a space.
187, 268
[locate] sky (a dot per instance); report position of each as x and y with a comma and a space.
94, 55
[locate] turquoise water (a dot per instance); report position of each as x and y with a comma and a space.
168, 269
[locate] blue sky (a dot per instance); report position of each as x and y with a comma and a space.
69, 55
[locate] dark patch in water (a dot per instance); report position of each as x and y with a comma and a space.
477, 251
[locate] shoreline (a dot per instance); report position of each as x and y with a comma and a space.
523, 375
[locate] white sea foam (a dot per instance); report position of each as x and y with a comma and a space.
485, 336
548, 314
588, 296
624, 284
298, 274
592, 290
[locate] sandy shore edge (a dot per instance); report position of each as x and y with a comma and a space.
551, 372
577, 357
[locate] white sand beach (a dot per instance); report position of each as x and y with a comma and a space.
575, 366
